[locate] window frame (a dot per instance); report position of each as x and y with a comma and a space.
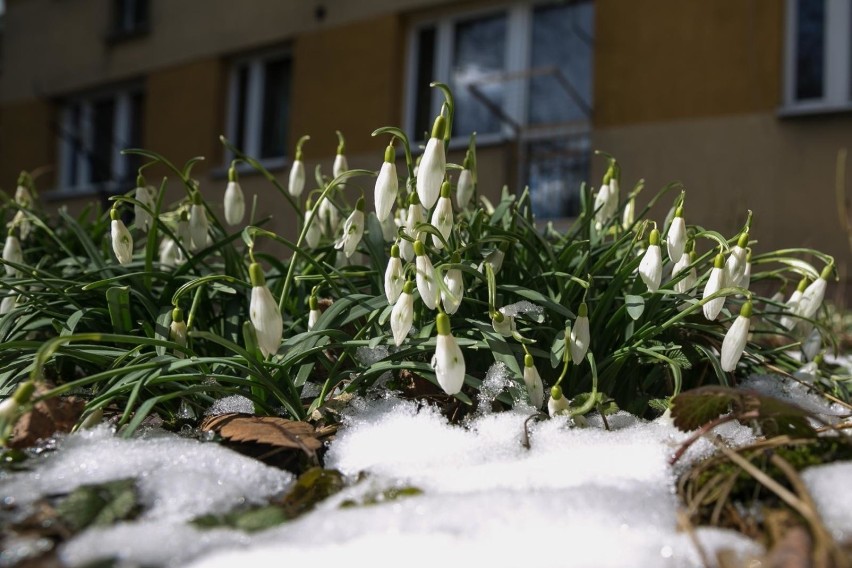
837, 61
253, 127
122, 121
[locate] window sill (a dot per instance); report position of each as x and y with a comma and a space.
272, 165
79, 192
813, 109
115, 37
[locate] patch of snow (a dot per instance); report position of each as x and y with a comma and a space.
228, 404
828, 485
534, 311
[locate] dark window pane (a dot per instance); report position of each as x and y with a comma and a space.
241, 104
425, 75
100, 155
555, 169
562, 38
73, 137
810, 49
136, 135
276, 108
480, 51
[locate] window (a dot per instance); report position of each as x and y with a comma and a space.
129, 18
519, 72
818, 55
259, 106
93, 131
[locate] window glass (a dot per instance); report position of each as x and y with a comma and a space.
810, 49
425, 74
561, 42
479, 51
276, 106
555, 169
101, 150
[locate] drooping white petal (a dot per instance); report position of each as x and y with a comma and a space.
198, 226
297, 178
734, 343
313, 316
464, 189
393, 279
426, 284
448, 364
431, 172
676, 239
686, 283
353, 230
735, 266
266, 319
387, 188
812, 298
329, 217
314, 232
535, 388
146, 196
812, 344
605, 204
651, 267
714, 284
23, 196
442, 219
455, 284
504, 327
12, 253
235, 203
340, 166
788, 321
169, 252
402, 316
122, 242
580, 339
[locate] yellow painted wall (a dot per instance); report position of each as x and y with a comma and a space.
659, 60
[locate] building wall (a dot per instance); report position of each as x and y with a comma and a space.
26, 142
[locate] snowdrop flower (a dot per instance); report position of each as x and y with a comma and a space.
606, 200
426, 285
169, 252
689, 281
745, 281
387, 185
735, 265
629, 214
495, 258
122, 242
532, 380
235, 201
12, 253
814, 294
340, 164
580, 337
464, 187
412, 220
393, 276
353, 230
442, 216
715, 282
182, 231
433, 165
11, 407
389, 230
146, 196
503, 324
402, 314
264, 313
314, 231
314, 313
198, 223
792, 305
452, 297
329, 217
8, 304
22, 222
651, 267
676, 237
177, 331
23, 195
448, 361
557, 403
297, 170
735, 339
812, 344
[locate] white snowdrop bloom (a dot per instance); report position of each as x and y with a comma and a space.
651, 266
235, 201
503, 324
402, 314
676, 237
182, 231
387, 186
735, 339
394, 276
296, 183
329, 216
606, 204
122, 242
532, 380
788, 321
264, 313
442, 216
464, 187
715, 282
314, 232
580, 337
198, 224
629, 214
353, 230
426, 284
12, 253
178, 331
146, 195
433, 165
454, 282
735, 265
814, 294
23, 223
314, 313
557, 403
689, 281
812, 344
495, 258
12, 406
412, 220
339, 166
448, 361
8, 304
389, 229
169, 252
23, 196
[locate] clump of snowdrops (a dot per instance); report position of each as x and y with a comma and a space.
405, 272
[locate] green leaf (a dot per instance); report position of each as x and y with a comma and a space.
635, 305
99, 505
118, 302
250, 520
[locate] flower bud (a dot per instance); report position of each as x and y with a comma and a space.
453, 280
426, 284
651, 266
532, 380
464, 187
735, 339
265, 315
714, 283
676, 237
12, 253
394, 276
580, 337
433, 165
402, 314
442, 216
198, 224
122, 242
448, 361
235, 202
557, 403
314, 313
387, 186
146, 196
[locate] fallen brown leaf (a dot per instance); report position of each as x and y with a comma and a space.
270, 430
46, 418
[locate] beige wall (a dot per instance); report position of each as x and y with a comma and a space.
26, 142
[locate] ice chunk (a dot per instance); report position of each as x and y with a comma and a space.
229, 404
533, 311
